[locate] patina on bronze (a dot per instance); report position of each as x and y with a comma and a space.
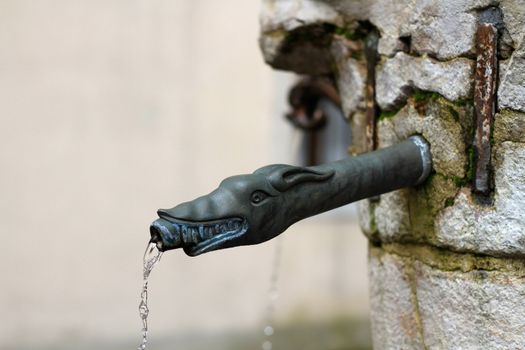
253, 208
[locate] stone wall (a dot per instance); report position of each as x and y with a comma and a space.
446, 264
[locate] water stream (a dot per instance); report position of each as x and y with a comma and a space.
151, 257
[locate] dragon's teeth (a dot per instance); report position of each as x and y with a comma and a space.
201, 232
186, 234
195, 234
207, 232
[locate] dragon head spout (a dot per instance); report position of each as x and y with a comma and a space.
243, 210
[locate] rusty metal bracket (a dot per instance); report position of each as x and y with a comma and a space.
307, 114
484, 103
304, 99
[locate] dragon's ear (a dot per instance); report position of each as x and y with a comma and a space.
282, 176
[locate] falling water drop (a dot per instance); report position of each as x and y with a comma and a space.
273, 295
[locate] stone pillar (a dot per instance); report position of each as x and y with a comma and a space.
446, 264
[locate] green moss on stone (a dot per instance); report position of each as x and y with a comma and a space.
509, 126
351, 34
453, 112
469, 170
470, 165
462, 102
346, 32
425, 202
387, 114
420, 214
424, 96
449, 202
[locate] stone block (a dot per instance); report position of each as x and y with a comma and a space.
513, 18
471, 310
351, 75
359, 139
511, 89
365, 211
438, 125
289, 15
509, 126
399, 75
392, 216
293, 36
441, 29
393, 312
495, 230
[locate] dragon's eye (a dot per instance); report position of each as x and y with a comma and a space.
258, 196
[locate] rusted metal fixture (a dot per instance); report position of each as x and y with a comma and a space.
484, 102
304, 99
370, 101
306, 114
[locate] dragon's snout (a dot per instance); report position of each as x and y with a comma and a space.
196, 237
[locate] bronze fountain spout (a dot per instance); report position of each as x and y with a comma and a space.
254, 208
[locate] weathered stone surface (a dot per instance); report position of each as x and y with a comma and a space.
393, 307
366, 217
392, 18
441, 29
474, 310
426, 201
408, 215
439, 304
359, 139
514, 19
293, 37
291, 14
351, 75
509, 126
436, 25
304, 51
270, 44
397, 76
392, 218
511, 90
494, 230
433, 26
438, 126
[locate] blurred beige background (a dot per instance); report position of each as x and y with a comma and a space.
111, 109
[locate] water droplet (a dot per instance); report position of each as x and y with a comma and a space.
273, 295
267, 345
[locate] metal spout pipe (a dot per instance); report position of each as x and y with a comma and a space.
253, 208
